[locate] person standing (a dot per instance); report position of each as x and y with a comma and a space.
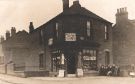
113, 70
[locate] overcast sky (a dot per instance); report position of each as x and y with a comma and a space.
18, 13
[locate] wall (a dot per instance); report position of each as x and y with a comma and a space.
124, 44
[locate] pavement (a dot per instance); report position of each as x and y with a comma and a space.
7, 79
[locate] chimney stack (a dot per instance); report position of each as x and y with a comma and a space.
7, 34
1, 39
65, 5
31, 27
13, 31
121, 15
76, 3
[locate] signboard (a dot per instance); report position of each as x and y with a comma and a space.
89, 57
132, 73
79, 72
61, 73
93, 58
70, 36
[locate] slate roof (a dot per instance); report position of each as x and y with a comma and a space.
18, 34
82, 11
76, 9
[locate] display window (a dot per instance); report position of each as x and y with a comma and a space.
89, 59
58, 60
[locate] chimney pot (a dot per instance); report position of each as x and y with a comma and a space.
118, 11
121, 15
31, 27
76, 3
2, 39
13, 31
7, 34
123, 10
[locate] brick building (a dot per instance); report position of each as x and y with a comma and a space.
74, 39
123, 40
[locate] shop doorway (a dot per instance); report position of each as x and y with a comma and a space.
70, 61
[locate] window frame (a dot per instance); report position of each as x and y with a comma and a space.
88, 28
57, 29
106, 34
50, 41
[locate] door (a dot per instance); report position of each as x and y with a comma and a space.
71, 61
107, 57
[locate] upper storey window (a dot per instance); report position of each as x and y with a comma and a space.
50, 41
88, 28
57, 28
106, 36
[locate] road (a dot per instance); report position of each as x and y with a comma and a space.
4, 82
5, 79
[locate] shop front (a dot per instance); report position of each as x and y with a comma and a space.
72, 57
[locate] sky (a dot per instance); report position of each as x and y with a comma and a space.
18, 13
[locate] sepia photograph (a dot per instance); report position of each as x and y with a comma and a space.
67, 42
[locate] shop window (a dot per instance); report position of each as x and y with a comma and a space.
58, 60
89, 60
84, 51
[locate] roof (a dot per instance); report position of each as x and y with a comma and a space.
82, 11
18, 34
132, 21
76, 9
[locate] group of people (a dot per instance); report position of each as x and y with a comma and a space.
109, 70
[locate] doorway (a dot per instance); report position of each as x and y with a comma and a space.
71, 61
107, 57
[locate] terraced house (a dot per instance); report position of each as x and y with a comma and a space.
75, 41
124, 41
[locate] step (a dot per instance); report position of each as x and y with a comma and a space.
71, 75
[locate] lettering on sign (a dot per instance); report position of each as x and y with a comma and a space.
89, 57
79, 72
70, 36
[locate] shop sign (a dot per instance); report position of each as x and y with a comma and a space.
79, 72
70, 36
89, 58
61, 73
93, 58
